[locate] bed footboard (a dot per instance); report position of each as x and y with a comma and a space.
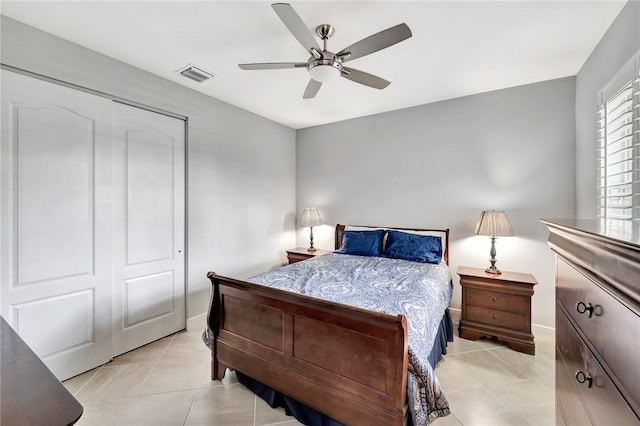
346, 362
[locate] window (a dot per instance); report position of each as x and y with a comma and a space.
618, 134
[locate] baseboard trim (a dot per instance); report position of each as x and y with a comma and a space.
546, 327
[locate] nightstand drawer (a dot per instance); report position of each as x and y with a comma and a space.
301, 253
495, 300
294, 257
497, 318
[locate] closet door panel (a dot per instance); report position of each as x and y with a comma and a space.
55, 149
73, 327
148, 297
55, 218
149, 186
149, 284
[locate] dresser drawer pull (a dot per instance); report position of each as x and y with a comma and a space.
495, 299
581, 307
582, 377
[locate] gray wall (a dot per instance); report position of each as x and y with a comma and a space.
441, 164
241, 167
617, 46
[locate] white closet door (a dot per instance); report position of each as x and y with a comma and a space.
55, 218
148, 293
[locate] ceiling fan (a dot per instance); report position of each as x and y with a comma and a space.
325, 66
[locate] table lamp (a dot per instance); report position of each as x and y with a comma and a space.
310, 217
494, 224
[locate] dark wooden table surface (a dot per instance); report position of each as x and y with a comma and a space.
29, 392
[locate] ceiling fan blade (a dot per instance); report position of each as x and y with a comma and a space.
296, 25
375, 42
364, 78
312, 89
272, 65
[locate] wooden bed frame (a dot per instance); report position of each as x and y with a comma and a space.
319, 353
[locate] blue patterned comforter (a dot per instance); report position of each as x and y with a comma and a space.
420, 291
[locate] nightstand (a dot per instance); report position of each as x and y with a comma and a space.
497, 306
301, 253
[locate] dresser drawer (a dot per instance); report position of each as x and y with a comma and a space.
496, 300
612, 328
502, 319
570, 409
601, 400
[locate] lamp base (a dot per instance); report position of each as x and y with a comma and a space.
493, 270
311, 247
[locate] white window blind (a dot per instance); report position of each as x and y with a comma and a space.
618, 156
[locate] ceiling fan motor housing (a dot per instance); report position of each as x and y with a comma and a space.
325, 69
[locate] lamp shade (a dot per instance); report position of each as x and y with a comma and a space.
494, 224
310, 217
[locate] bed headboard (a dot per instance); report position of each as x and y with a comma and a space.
445, 255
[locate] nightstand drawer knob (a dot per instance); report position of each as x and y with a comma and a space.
582, 377
493, 317
495, 299
581, 307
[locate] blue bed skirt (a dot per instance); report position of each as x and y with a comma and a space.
310, 417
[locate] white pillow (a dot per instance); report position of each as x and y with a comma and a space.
360, 228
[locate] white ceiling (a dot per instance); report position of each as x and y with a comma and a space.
457, 49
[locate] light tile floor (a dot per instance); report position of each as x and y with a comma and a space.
487, 383
166, 383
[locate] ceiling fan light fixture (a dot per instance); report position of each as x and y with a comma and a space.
325, 71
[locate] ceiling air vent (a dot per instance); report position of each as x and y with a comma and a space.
195, 73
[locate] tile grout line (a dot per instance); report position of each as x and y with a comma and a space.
155, 364
465, 390
255, 409
508, 363
466, 352
88, 380
190, 407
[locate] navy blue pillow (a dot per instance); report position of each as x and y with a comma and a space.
417, 248
362, 243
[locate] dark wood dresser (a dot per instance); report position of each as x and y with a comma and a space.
597, 321
497, 305
30, 393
